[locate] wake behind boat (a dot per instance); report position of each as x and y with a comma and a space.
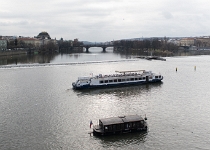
120, 78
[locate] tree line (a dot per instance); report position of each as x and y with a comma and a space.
146, 44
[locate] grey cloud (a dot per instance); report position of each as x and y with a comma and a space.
104, 20
167, 15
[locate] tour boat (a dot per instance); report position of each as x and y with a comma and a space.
120, 78
119, 125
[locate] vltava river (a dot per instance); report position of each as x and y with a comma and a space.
40, 110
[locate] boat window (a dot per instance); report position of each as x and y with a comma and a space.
156, 77
110, 80
110, 128
115, 80
144, 78
106, 81
132, 79
119, 80
128, 79
123, 80
106, 128
136, 78
159, 76
140, 78
138, 124
134, 124
126, 126
101, 81
118, 126
114, 127
122, 126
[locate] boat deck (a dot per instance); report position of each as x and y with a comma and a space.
98, 129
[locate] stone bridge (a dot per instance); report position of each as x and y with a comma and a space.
103, 46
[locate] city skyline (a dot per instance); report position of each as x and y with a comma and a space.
102, 21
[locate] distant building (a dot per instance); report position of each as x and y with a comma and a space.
203, 42
187, 42
75, 42
45, 38
26, 40
8, 38
175, 41
43, 35
3, 45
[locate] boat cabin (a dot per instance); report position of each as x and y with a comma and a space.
121, 124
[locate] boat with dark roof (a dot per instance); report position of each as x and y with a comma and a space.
120, 125
121, 78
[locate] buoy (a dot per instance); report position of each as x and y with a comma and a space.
176, 68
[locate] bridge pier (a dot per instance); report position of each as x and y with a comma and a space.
87, 48
104, 48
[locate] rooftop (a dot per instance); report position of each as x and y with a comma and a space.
121, 119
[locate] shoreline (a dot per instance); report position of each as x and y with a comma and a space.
133, 51
11, 53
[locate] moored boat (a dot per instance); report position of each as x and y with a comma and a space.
120, 78
120, 125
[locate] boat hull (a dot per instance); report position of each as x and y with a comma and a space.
96, 133
88, 86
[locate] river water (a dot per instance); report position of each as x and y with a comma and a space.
40, 110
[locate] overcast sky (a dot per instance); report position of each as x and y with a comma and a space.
105, 20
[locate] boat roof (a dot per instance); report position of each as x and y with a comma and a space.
129, 71
112, 120
84, 78
121, 119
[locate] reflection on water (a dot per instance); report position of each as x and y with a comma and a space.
57, 58
95, 55
117, 141
26, 59
121, 91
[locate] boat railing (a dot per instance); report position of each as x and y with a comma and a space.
119, 75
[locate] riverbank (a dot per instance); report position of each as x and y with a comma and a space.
162, 53
13, 52
123, 51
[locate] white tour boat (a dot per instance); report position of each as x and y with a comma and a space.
120, 78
